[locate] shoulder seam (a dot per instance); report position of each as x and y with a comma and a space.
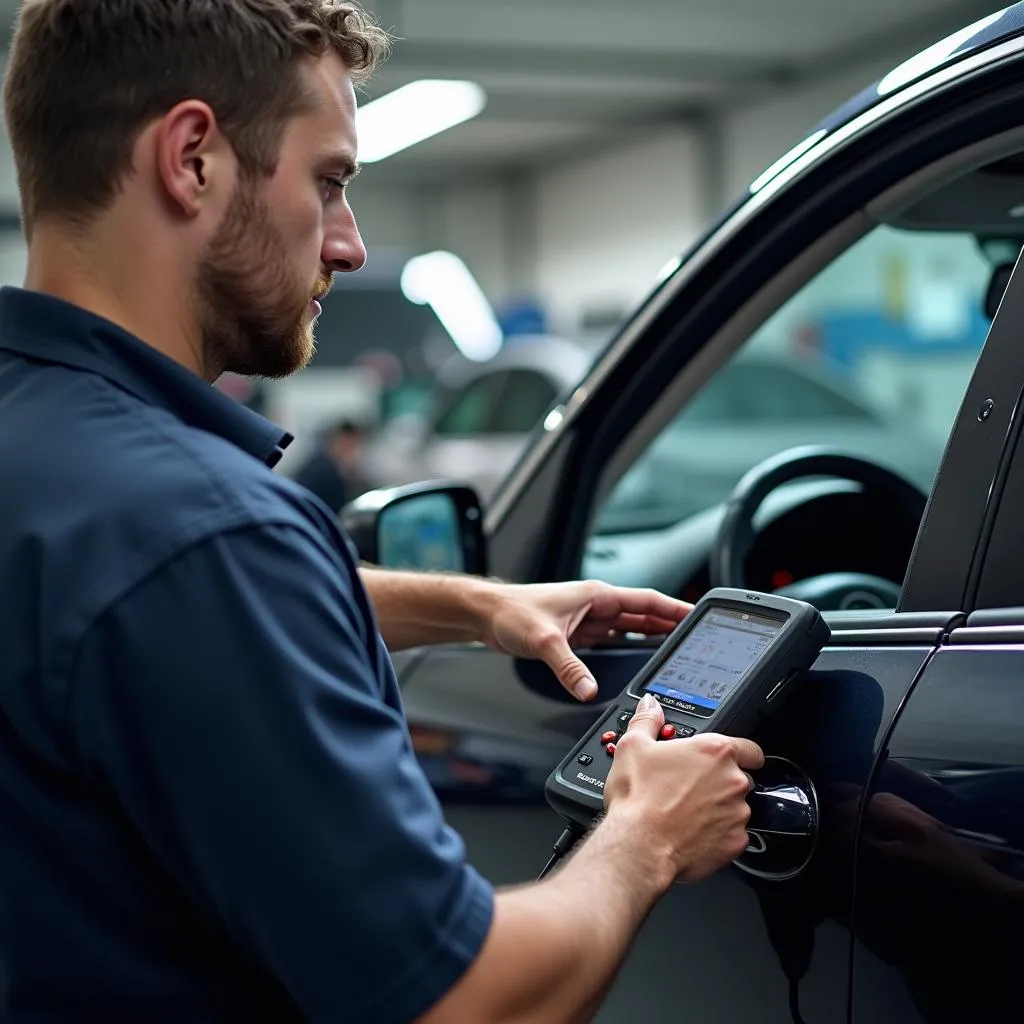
175, 544
195, 454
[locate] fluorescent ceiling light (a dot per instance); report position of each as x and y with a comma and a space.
442, 281
413, 113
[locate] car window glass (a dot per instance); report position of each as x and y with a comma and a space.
526, 397
471, 410
873, 356
760, 391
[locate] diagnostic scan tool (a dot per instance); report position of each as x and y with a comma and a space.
723, 668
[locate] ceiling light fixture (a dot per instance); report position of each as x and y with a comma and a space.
413, 113
442, 281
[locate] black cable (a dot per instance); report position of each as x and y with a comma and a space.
794, 971
565, 842
794, 1000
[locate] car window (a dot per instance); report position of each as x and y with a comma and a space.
873, 356
471, 410
527, 396
761, 391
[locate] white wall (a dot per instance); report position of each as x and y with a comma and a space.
474, 221
606, 225
8, 179
387, 217
13, 258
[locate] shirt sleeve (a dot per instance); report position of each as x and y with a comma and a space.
232, 705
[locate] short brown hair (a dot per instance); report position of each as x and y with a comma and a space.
85, 77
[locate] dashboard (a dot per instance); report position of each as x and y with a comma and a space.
834, 533
804, 529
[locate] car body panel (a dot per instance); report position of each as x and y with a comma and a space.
968, 41
469, 713
938, 912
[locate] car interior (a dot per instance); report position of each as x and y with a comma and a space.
854, 529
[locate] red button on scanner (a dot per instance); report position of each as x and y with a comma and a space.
611, 749
668, 732
609, 737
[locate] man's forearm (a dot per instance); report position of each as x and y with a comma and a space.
555, 947
428, 608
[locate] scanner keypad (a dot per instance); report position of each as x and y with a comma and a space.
669, 731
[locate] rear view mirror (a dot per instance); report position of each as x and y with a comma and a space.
431, 527
996, 286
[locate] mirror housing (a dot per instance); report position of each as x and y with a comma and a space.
434, 526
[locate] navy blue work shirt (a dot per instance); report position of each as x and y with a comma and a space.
210, 809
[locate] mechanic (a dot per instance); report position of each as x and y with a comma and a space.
209, 803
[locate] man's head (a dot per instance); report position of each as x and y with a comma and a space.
214, 136
344, 441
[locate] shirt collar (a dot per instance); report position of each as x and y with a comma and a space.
50, 330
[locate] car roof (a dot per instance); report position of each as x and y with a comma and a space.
957, 46
952, 49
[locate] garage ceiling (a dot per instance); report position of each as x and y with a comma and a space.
564, 75
571, 76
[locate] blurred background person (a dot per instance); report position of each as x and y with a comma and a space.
333, 472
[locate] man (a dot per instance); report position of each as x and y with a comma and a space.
333, 472
209, 806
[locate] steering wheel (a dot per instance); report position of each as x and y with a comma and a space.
828, 591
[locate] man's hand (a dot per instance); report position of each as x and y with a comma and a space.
546, 620
539, 620
676, 813
687, 796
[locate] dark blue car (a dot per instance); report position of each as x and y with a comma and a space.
882, 250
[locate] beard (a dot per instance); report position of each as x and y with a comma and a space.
255, 314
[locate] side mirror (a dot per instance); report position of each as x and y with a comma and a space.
434, 526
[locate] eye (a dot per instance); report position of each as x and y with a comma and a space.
333, 187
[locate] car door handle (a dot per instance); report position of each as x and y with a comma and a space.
781, 807
783, 826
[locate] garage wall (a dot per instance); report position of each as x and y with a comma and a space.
12, 248
606, 225
8, 180
387, 217
477, 222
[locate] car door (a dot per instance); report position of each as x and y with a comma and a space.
488, 728
940, 861
940, 872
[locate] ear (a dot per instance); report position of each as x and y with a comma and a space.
192, 156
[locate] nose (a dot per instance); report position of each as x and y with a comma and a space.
343, 249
